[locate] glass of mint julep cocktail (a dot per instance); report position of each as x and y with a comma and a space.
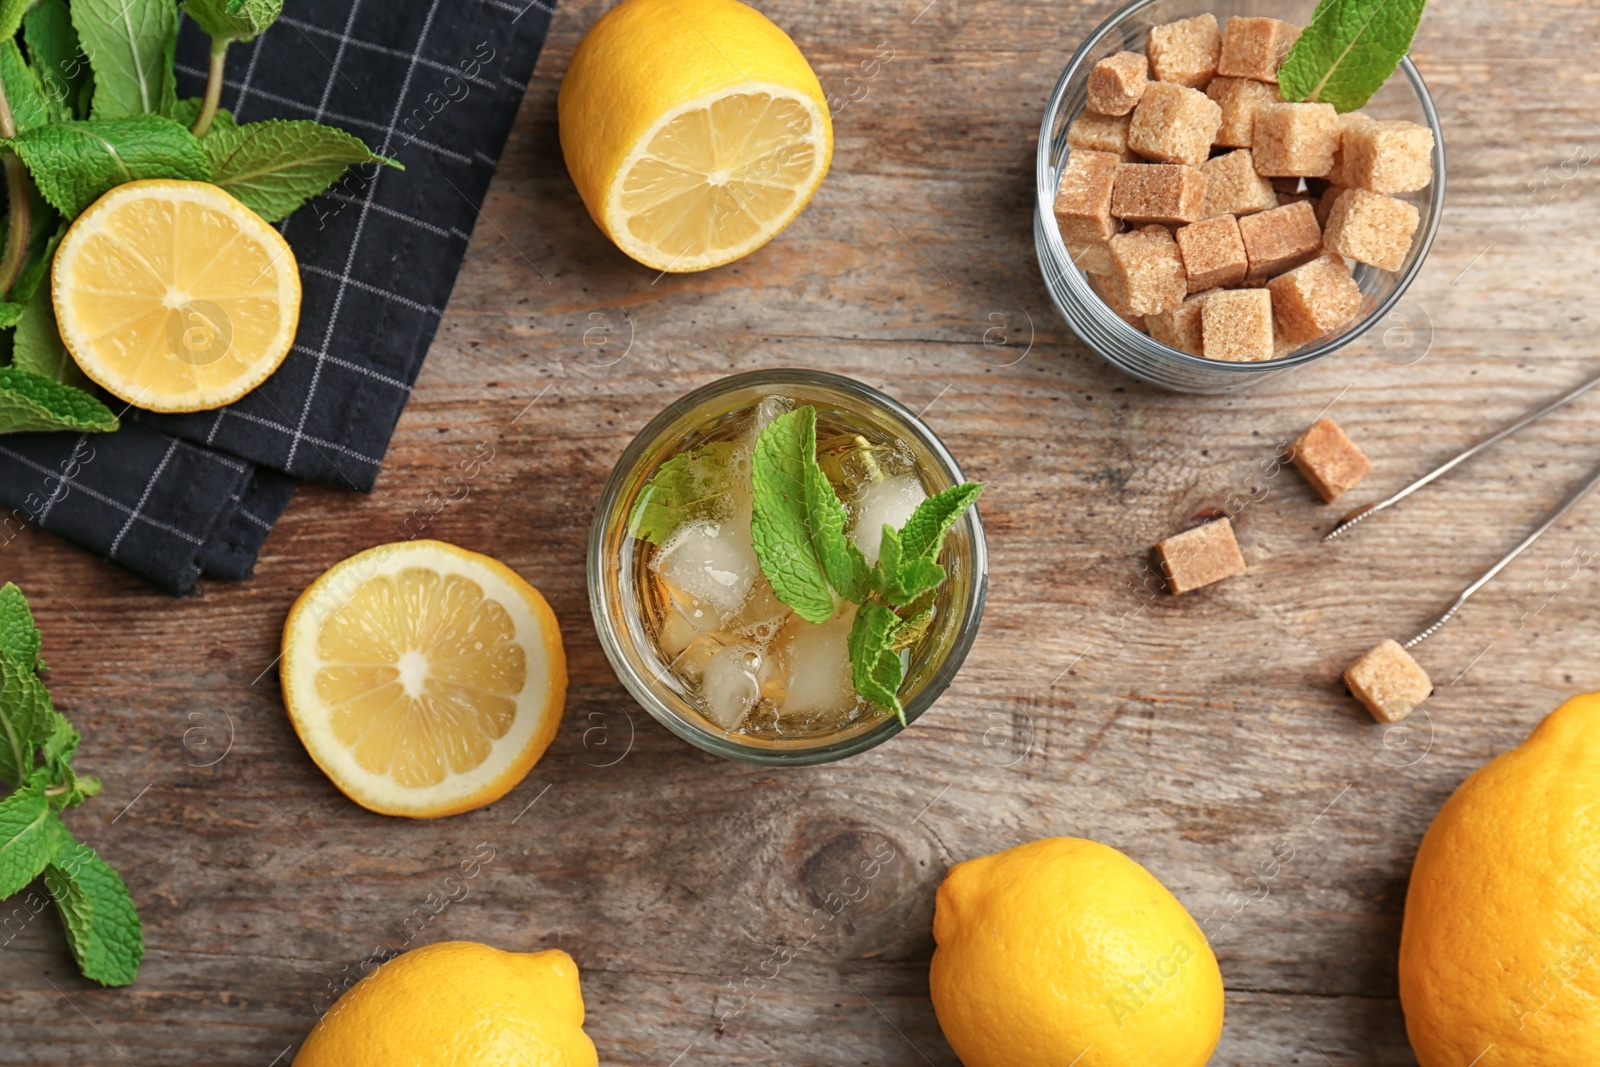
786, 567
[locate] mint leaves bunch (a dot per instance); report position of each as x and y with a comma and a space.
798, 522
88, 101
36, 749
1348, 51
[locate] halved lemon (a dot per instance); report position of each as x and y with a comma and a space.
174, 296
424, 679
694, 130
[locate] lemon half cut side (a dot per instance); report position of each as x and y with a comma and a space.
694, 130
173, 296
423, 679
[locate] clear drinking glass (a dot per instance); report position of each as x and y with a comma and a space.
1404, 96
613, 566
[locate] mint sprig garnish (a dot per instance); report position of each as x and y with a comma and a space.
88, 101
1348, 51
798, 527
36, 749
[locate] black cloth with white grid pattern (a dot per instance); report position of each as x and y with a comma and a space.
434, 84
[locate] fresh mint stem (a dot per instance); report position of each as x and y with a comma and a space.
17, 198
213, 98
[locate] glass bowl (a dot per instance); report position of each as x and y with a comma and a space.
1404, 96
617, 615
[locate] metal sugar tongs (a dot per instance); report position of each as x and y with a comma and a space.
1357, 517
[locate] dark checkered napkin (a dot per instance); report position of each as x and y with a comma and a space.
432, 84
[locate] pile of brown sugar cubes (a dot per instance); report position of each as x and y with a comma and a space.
1243, 211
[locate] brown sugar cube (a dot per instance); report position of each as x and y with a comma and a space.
1083, 198
1240, 99
1185, 52
1149, 269
1200, 557
1390, 156
1331, 462
1312, 300
1091, 258
1180, 327
1117, 82
1108, 288
1347, 122
1295, 140
1168, 193
1280, 239
1255, 47
1371, 228
1174, 124
1101, 133
1213, 253
1324, 203
1388, 682
1234, 188
1236, 326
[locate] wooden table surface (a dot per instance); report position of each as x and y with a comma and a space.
1203, 735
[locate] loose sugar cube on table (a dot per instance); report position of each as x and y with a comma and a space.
1371, 228
1387, 156
1347, 122
1168, 193
1330, 461
1117, 82
1388, 682
1234, 188
1295, 140
1174, 124
1280, 239
1180, 327
1149, 269
1213, 253
1200, 557
1255, 47
1313, 300
1083, 197
1236, 326
1101, 133
1185, 52
1240, 99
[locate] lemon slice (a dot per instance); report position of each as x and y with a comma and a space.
694, 130
424, 679
174, 296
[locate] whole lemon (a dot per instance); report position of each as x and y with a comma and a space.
1500, 952
694, 130
457, 1004
1065, 951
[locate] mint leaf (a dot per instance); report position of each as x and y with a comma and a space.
875, 669
75, 163
901, 578
23, 91
53, 49
841, 560
47, 230
186, 111
37, 347
11, 12
690, 485
27, 719
102, 924
130, 45
19, 637
234, 20
923, 534
1349, 50
780, 523
31, 402
28, 840
275, 166
912, 630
